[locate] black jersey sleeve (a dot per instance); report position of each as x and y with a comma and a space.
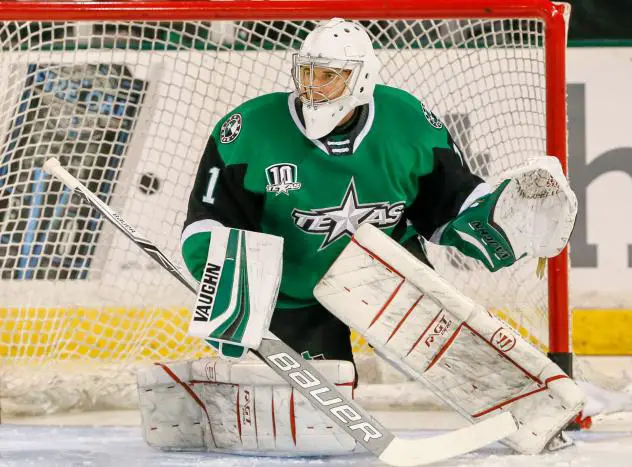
219, 193
443, 191
219, 196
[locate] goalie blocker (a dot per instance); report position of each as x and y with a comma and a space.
466, 356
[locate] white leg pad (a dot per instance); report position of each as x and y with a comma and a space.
469, 358
239, 407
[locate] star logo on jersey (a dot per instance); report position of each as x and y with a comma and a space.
344, 219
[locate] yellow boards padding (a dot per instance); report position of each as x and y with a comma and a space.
602, 331
158, 334
108, 333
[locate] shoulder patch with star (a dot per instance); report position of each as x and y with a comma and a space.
431, 117
230, 129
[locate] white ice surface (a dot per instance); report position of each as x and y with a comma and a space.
45, 446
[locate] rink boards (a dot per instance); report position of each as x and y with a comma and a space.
119, 333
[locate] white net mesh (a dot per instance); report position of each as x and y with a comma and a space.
127, 108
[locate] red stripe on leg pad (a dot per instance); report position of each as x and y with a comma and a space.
388, 302
191, 392
404, 318
425, 331
377, 258
292, 419
273, 419
445, 347
238, 416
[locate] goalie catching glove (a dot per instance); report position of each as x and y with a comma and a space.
532, 212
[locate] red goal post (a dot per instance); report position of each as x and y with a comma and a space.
551, 16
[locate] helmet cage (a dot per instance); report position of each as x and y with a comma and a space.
313, 95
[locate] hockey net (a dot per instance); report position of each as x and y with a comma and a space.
126, 96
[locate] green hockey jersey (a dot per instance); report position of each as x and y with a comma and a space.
393, 165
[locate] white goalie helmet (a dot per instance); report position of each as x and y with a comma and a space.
344, 49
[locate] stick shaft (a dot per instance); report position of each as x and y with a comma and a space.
53, 167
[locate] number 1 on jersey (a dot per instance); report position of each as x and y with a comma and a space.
208, 197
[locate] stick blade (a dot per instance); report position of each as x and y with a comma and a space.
410, 452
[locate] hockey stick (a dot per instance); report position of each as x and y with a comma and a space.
304, 378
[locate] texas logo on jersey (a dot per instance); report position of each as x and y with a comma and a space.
344, 219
